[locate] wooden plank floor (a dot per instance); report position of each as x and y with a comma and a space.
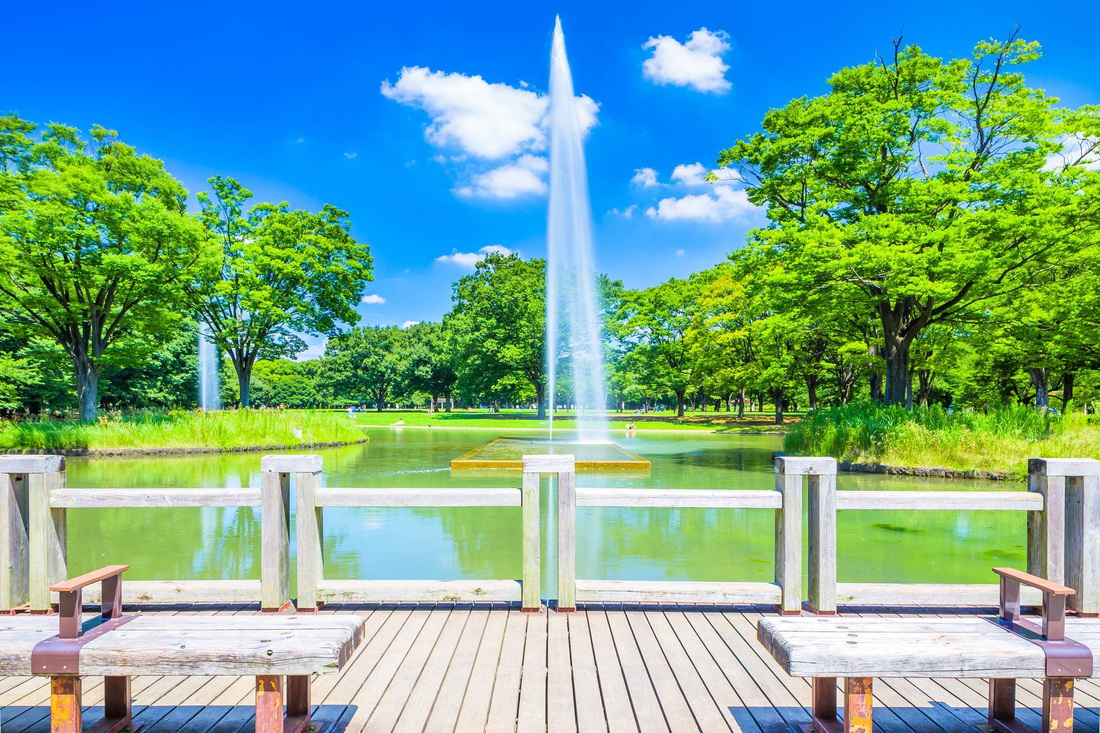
607, 668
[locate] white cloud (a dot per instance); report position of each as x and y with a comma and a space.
644, 177
721, 204
350, 156
693, 174
521, 178
484, 122
680, 253
408, 324
467, 260
1080, 150
696, 64
373, 299
627, 213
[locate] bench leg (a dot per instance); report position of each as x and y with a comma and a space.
269, 704
116, 706
823, 706
1058, 705
1002, 704
857, 705
298, 705
65, 705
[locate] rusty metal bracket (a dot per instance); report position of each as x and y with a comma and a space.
58, 656
1064, 657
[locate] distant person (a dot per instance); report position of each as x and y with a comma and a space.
397, 424
351, 412
630, 429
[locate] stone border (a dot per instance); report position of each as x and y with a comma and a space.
198, 450
927, 471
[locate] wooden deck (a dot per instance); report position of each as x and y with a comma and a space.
611, 668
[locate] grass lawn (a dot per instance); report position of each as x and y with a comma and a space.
1000, 440
526, 420
181, 430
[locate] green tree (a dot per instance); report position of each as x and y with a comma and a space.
277, 273
660, 326
921, 189
427, 363
499, 326
364, 365
95, 246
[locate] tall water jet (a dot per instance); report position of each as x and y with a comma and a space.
209, 395
572, 309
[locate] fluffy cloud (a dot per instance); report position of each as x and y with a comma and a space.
521, 178
696, 64
644, 177
721, 204
409, 324
1076, 150
485, 122
627, 213
373, 299
693, 174
467, 260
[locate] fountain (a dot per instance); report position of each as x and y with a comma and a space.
571, 298
572, 303
209, 396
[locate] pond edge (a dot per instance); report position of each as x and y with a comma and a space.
176, 451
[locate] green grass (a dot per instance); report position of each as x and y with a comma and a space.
526, 420
1000, 440
184, 430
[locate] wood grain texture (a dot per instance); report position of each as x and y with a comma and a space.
1046, 529
788, 540
680, 498
927, 594
310, 538
32, 464
1083, 543
417, 497
148, 498
567, 540
14, 541
418, 591
48, 557
940, 500
275, 545
532, 543
672, 591
182, 591
822, 541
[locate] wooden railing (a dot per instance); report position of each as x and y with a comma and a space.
314, 589
1062, 507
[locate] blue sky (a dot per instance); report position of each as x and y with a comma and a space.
378, 109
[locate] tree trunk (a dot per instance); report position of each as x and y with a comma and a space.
1067, 391
741, 404
679, 402
1040, 379
925, 377
811, 390
87, 388
540, 394
777, 398
242, 364
899, 382
450, 403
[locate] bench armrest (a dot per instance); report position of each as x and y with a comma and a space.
71, 600
1054, 600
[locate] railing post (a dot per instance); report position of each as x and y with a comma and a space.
14, 535
788, 535
47, 539
1046, 529
531, 582
822, 570
564, 467
1081, 550
275, 519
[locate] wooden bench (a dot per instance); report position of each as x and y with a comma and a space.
1002, 649
281, 651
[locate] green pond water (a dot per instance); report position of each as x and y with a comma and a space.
649, 544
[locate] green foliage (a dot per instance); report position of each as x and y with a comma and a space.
1001, 440
285, 383
918, 191
180, 430
498, 328
274, 273
95, 246
363, 365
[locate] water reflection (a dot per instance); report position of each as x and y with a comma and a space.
425, 543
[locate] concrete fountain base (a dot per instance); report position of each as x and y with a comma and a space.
508, 452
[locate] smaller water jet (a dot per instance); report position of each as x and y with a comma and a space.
209, 394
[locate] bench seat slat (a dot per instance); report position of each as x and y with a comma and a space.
912, 647
196, 645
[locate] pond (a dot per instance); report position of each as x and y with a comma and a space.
612, 543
